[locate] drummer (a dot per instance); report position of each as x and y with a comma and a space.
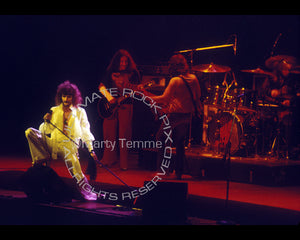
278, 89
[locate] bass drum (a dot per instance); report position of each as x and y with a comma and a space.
219, 131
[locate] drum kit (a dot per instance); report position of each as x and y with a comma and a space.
235, 113
240, 114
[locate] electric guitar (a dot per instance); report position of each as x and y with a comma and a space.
108, 109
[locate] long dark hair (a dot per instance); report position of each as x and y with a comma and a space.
115, 62
67, 88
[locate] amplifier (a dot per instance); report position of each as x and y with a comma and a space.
153, 70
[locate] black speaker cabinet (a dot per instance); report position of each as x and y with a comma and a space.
42, 184
165, 204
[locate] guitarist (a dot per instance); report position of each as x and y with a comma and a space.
121, 72
182, 100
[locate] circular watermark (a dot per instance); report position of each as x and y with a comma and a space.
149, 185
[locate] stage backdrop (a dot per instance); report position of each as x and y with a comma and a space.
39, 52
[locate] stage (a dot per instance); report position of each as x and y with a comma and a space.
249, 203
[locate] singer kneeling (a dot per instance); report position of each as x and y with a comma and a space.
65, 124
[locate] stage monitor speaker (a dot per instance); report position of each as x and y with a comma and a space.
165, 204
42, 184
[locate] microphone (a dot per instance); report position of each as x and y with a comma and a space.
50, 112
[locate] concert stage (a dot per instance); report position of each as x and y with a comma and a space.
268, 171
249, 201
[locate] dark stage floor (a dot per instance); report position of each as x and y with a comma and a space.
248, 203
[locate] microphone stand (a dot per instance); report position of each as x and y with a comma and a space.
275, 44
225, 158
98, 161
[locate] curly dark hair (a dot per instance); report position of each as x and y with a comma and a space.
67, 88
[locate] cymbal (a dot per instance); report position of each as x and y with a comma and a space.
272, 62
258, 71
295, 70
211, 68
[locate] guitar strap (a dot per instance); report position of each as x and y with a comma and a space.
191, 94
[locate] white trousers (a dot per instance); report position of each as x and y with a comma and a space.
41, 149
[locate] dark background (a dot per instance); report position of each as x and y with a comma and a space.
38, 52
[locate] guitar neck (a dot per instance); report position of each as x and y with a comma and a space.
140, 88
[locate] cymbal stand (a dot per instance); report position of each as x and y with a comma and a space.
285, 139
288, 135
257, 115
276, 139
256, 135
